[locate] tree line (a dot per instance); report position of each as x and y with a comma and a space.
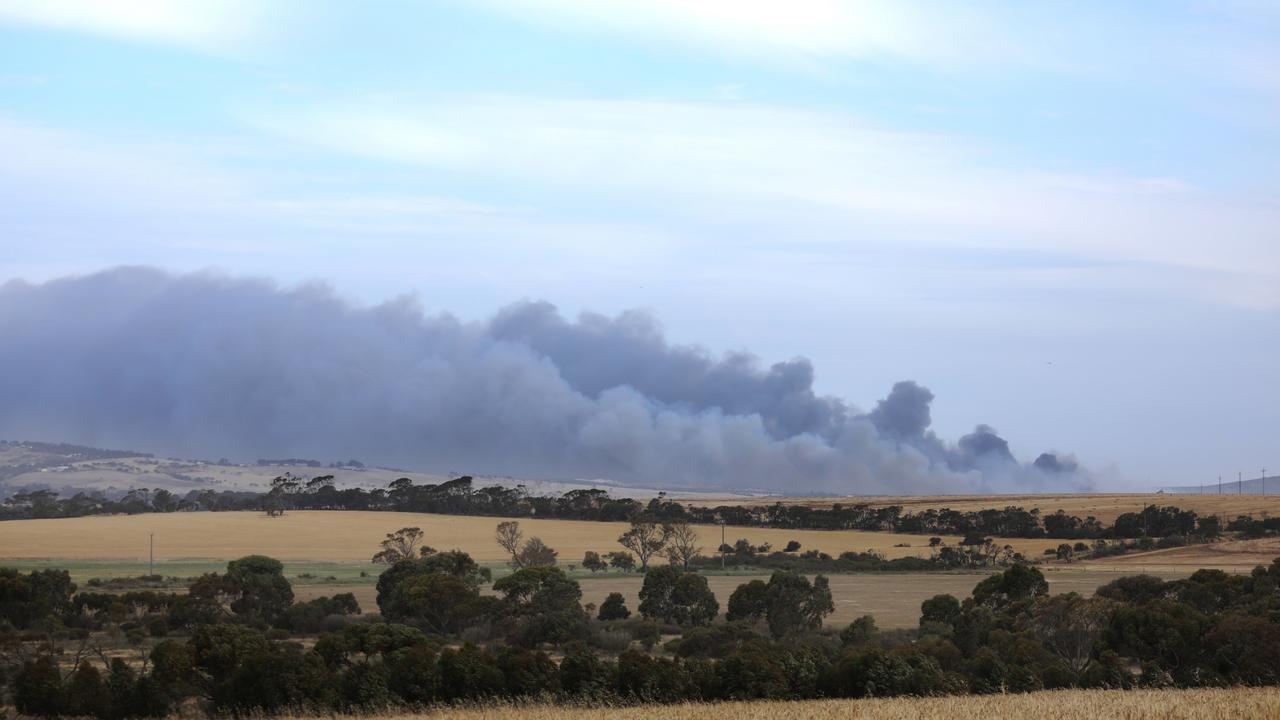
461, 497
233, 643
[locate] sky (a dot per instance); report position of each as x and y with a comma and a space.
1062, 218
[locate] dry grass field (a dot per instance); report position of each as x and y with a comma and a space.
354, 536
1104, 506
1232, 556
1214, 704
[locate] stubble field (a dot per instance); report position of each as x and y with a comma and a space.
353, 536
1104, 506
1202, 704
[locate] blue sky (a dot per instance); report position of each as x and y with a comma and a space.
1064, 218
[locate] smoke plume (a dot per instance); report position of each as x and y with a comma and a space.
204, 365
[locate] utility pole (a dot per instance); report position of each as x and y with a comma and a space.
1219, 484
722, 545
1264, 482
151, 561
1239, 483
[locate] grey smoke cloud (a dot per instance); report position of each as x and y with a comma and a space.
207, 365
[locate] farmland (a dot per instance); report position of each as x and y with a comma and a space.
893, 600
327, 552
1104, 506
353, 536
1201, 704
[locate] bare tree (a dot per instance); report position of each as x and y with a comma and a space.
646, 539
399, 545
509, 536
682, 544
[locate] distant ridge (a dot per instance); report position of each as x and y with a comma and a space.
1269, 485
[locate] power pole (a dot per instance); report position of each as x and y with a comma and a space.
1239, 483
1264, 482
151, 561
722, 545
1219, 484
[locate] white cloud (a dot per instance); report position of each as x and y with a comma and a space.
795, 30
203, 24
789, 169
73, 202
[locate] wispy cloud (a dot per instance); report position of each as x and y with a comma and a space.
794, 168
792, 31
210, 25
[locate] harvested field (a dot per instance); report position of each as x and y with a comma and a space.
1104, 506
1231, 555
354, 536
1234, 703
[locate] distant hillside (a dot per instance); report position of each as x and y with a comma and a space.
1269, 485
19, 457
67, 469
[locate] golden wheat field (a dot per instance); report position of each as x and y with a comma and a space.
354, 536
1104, 506
1203, 704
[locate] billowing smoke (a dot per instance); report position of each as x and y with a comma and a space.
204, 365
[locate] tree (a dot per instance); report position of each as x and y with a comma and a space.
454, 563
792, 546
682, 544
614, 607
1070, 626
859, 631
38, 596
692, 602
399, 545
536, 553
624, 561
795, 604
1246, 649
646, 539
655, 592
749, 602
523, 555
441, 603
319, 483
942, 609
258, 587
1019, 582
37, 688
545, 603
682, 598
509, 536
591, 561
281, 487
86, 693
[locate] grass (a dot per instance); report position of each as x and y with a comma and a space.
1201, 704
